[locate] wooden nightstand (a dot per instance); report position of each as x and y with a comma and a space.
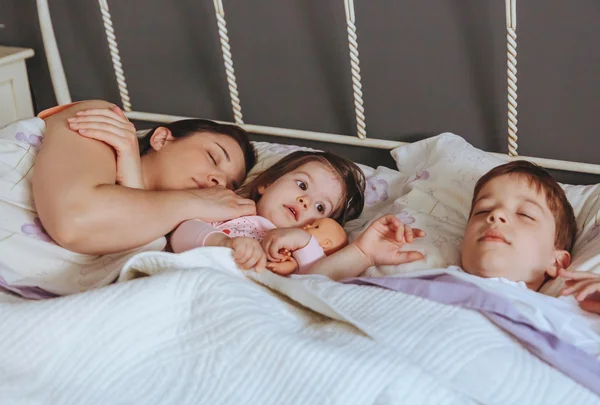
15, 98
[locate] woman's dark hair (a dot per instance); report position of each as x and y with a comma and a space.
349, 174
182, 128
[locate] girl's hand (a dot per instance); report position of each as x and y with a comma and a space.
247, 253
283, 268
585, 286
290, 239
382, 240
112, 127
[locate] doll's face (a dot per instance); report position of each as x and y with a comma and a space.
330, 235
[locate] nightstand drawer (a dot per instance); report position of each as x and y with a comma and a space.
15, 96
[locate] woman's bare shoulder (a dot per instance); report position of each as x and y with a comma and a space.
68, 167
74, 152
58, 120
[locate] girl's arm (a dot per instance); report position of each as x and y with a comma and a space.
83, 209
378, 245
345, 263
194, 233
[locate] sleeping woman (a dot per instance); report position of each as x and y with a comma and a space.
75, 208
97, 199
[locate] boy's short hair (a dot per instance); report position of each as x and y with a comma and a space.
351, 178
564, 218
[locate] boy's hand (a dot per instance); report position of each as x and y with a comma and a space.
247, 252
585, 286
290, 239
382, 240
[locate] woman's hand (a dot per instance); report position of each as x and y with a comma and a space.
112, 127
218, 203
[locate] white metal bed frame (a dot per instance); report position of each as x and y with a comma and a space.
63, 96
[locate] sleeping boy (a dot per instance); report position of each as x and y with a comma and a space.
522, 229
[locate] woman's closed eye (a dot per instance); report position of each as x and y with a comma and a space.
303, 186
526, 215
481, 211
212, 157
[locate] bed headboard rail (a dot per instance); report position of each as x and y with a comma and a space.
63, 96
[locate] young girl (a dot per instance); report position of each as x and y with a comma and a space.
296, 191
299, 189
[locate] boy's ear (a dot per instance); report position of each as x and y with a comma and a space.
562, 260
160, 137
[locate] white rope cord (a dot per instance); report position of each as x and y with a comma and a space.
114, 54
226, 49
354, 62
511, 38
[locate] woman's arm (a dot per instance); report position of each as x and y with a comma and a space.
83, 209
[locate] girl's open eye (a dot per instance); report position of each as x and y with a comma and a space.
320, 207
302, 185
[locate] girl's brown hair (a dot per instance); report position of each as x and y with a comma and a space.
349, 174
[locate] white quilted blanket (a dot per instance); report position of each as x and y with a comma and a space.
200, 332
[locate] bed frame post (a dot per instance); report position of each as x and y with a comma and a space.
229, 71
354, 62
57, 72
114, 54
511, 40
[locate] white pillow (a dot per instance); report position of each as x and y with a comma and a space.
267, 154
433, 191
28, 257
586, 251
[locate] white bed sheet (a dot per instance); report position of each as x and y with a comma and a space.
199, 331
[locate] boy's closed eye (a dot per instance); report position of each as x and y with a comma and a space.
527, 216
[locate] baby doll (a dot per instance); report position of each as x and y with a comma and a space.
328, 233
